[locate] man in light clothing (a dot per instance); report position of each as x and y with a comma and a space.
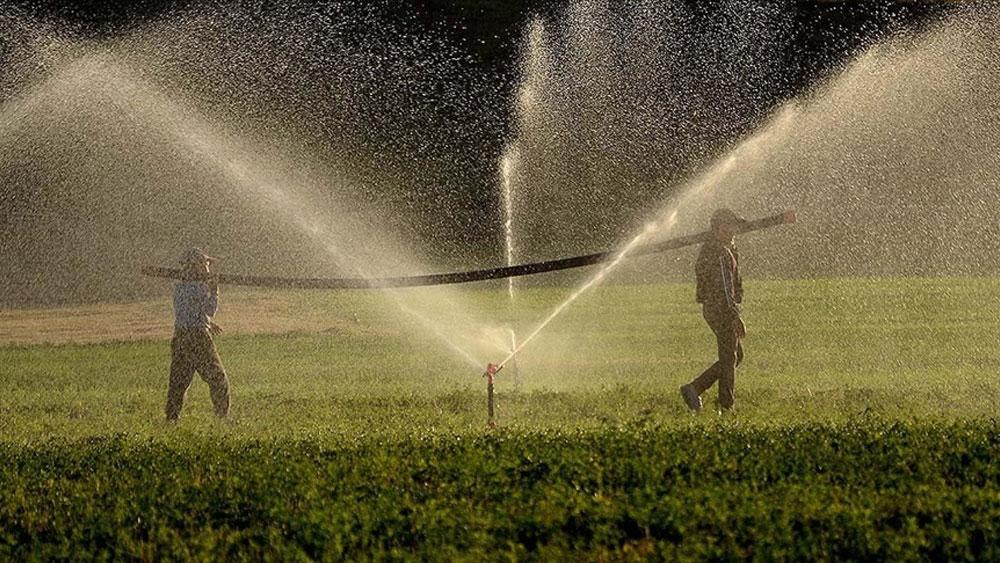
192, 348
720, 291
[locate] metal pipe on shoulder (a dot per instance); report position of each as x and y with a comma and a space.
785, 218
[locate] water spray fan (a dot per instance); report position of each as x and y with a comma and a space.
459, 277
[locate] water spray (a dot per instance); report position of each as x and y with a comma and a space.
460, 277
634, 248
515, 368
507, 164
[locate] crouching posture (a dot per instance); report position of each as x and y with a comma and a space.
720, 291
192, 348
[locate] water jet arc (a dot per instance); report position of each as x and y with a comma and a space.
460, 277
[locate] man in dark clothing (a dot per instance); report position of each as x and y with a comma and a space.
192, 348
720, 291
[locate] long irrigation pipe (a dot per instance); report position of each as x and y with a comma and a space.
459, 277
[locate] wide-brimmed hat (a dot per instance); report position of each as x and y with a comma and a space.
726, 218
194, 255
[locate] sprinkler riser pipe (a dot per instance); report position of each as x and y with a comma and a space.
491, 371
490, 403
514, 365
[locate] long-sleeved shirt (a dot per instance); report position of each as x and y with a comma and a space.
194, 305
719, 285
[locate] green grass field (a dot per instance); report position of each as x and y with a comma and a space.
863, 428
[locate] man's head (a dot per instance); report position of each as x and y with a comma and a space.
726, 224
194, 259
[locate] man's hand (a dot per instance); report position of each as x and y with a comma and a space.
741, 329
215, 329
213, 284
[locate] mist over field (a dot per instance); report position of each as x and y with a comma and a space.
308, 141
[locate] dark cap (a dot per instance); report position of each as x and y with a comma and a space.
726, 218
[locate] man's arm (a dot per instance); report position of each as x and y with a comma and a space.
211, 304
703, 272
737, 279
726, 265
730, 280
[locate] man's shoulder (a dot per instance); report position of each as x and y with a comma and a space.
711, 249
189, 286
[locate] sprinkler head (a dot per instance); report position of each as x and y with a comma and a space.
492, 369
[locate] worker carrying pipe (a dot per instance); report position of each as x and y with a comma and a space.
469, 276
719, 290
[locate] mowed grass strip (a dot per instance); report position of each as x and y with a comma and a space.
817, 351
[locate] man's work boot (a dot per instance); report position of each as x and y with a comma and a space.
691, 398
